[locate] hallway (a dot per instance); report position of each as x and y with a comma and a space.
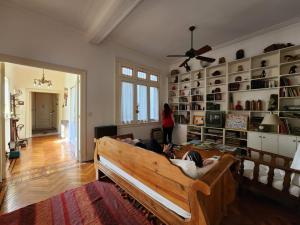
46, 167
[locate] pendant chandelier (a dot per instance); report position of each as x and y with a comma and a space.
42, 82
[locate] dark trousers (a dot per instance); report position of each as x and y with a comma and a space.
167, 133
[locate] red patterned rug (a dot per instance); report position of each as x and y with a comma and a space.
95, 203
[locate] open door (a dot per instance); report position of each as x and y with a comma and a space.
74, 118
2, 124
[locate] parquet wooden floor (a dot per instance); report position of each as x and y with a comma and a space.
41, 152
46, 168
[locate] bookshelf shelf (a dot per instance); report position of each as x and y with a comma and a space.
216, 85
296, 85
290, 74
244, 72
213, 135
264, 68
290, 97
264, 78
216, 77
290, 63
243, 81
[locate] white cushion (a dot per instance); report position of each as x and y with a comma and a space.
296, 179
248, 169
188, 167
295, 190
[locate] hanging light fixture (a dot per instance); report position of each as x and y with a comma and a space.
42, 82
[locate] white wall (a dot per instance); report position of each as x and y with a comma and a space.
253, 45
34, 36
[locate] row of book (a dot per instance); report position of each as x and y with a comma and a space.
290, 92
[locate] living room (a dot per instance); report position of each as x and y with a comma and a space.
90, 40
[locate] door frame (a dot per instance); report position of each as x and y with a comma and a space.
28, 117
82, 147
2, 122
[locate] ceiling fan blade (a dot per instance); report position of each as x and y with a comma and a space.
184, 62
176, 55
203, 50
207, 59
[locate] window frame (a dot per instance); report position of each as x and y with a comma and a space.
135, 80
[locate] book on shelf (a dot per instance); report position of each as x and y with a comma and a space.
284, 127
289, 92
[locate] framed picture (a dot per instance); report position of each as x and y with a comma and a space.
238, 122
198, 120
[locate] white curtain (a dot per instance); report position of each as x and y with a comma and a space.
154, 114
127, 102
142, 102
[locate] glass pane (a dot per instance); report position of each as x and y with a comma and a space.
141, 75
126, 71
142, 102
126, 102
154, 101
153, 77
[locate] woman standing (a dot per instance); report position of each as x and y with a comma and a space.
167, 123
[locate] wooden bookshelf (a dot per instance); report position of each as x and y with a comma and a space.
241, 80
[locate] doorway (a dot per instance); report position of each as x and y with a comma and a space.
43, 111
44, 107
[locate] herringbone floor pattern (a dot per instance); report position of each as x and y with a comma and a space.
46, 168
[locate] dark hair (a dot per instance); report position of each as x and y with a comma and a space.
167, 110
196, 157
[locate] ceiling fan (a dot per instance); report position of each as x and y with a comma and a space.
192, 53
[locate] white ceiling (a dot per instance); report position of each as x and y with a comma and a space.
160, 27
95, 18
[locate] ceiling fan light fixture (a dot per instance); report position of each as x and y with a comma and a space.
192, 53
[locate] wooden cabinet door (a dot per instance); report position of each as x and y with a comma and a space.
269, 143
287, 145
254, 140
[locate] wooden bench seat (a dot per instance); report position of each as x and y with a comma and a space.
205, 200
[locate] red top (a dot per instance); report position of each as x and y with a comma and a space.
167, 121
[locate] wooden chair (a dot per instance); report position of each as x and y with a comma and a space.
273, 162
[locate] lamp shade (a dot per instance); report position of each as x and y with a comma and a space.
271, 119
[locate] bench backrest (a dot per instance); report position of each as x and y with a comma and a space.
158, 173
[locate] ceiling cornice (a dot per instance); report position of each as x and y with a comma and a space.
112, 14
283, 25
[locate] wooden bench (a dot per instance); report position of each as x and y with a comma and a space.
271, 176
205, 201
